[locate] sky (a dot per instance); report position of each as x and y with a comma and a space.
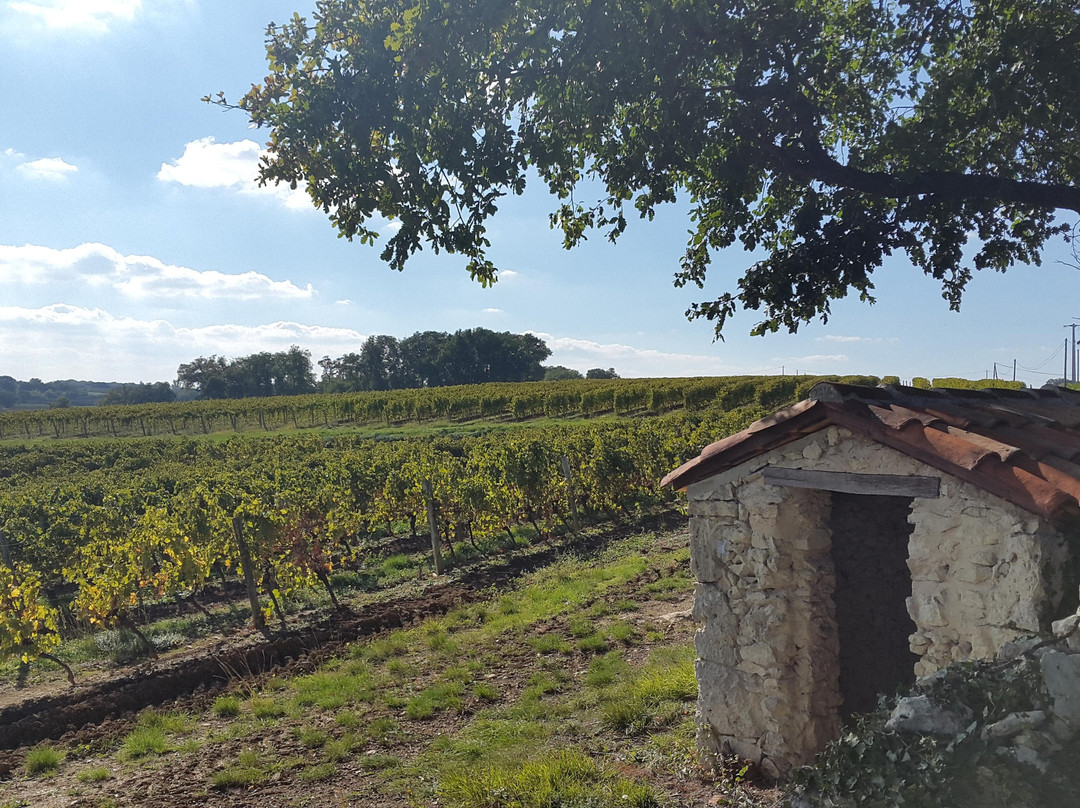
134, 238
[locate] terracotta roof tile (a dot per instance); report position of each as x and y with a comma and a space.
1020, 445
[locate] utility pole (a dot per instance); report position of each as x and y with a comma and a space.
1072, 378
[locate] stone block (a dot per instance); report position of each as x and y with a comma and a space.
716, 508
760, 654
1061, 672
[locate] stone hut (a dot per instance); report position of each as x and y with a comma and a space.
849, 543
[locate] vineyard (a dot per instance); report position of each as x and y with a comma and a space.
93, 529
293, 524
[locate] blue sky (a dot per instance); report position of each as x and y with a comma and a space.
133, 238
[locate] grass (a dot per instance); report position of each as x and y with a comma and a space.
654, 695
437, 697
226, 707
154, 734
265, 708
96, 774
566, 777
43, 760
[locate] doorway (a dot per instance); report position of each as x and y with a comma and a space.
869, 553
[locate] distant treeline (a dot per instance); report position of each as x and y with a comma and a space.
426, 359
38, 395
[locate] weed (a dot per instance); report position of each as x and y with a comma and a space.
144, 741
340, 748
237, 776
311, 738
550, 643
598, 609
264, 708
226, 707
395, 565
96, 774
43, 760
330, 690
626, 606
654, 695
347, 719
593, 644
378, 762
485, 692
622, 631
581, 627
320, 771
400, 669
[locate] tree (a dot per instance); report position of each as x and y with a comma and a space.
284, 373
139, 394
827, 135
558, 373
600, 373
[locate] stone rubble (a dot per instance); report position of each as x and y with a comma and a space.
1030, 737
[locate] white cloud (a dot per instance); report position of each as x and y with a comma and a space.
343, 302
790, 362
47, 168
65, 341
206, 163
93, 16
507, 274
840, 338
630, 361
492, 311
137, 276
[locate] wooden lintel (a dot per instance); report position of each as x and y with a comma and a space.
893, 485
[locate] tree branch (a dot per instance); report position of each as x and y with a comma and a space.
814, 165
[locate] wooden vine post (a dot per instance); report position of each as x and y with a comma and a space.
571, 501
248, 569
433, 526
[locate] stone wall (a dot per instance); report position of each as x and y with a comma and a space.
983, 571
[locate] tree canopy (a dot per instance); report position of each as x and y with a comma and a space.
435, 358
826, 134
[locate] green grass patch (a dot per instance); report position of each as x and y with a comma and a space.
593, 644
567, 778
95, 774
320, 771
248, 770
347, 719
226, 707
311, 738
654, 695
550, 643
485, 692
394, 644
382, 729
43, 760
264, 708
437, 697
378, 762
155, 734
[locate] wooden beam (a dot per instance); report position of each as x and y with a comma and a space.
893, 485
